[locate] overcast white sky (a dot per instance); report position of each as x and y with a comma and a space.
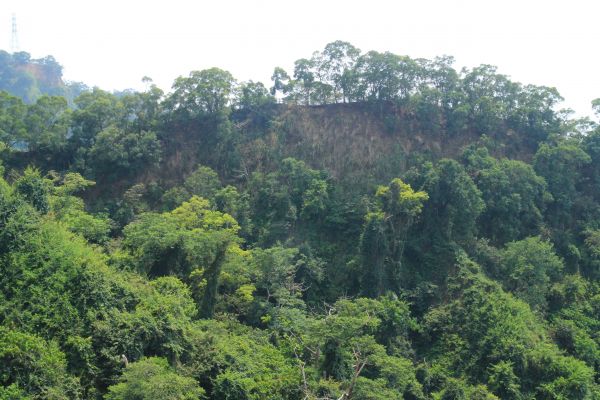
113, 44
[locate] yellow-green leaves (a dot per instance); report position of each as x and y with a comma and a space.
196, 214
400, 198
188, 237
384, 235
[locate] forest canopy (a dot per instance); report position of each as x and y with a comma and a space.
367, 226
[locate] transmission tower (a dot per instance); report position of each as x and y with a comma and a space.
14, 39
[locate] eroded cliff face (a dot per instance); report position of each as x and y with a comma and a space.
341, 138
46, 76
358, 144
361, 140
348, 138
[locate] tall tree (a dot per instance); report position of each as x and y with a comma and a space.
206, 92
384, 236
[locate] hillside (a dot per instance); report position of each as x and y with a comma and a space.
372, 227
358, 143
347, 138
29, 78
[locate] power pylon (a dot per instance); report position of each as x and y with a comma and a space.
14, 39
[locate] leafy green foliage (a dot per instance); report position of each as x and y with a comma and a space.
237, 243
152, 378
515, 349
203, 182
30, 366
527, 269
384, 235
514, 195
34, 189
559, 165
70, 209
124, 153
203, 92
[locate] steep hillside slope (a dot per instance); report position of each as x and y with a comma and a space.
356, 143
29, 78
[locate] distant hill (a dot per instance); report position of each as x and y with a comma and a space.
28, 78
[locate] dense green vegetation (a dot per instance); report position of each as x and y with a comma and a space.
196, 244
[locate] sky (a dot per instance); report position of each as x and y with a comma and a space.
114, 44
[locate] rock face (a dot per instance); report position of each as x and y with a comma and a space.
347, 138
357, 143
28, 78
